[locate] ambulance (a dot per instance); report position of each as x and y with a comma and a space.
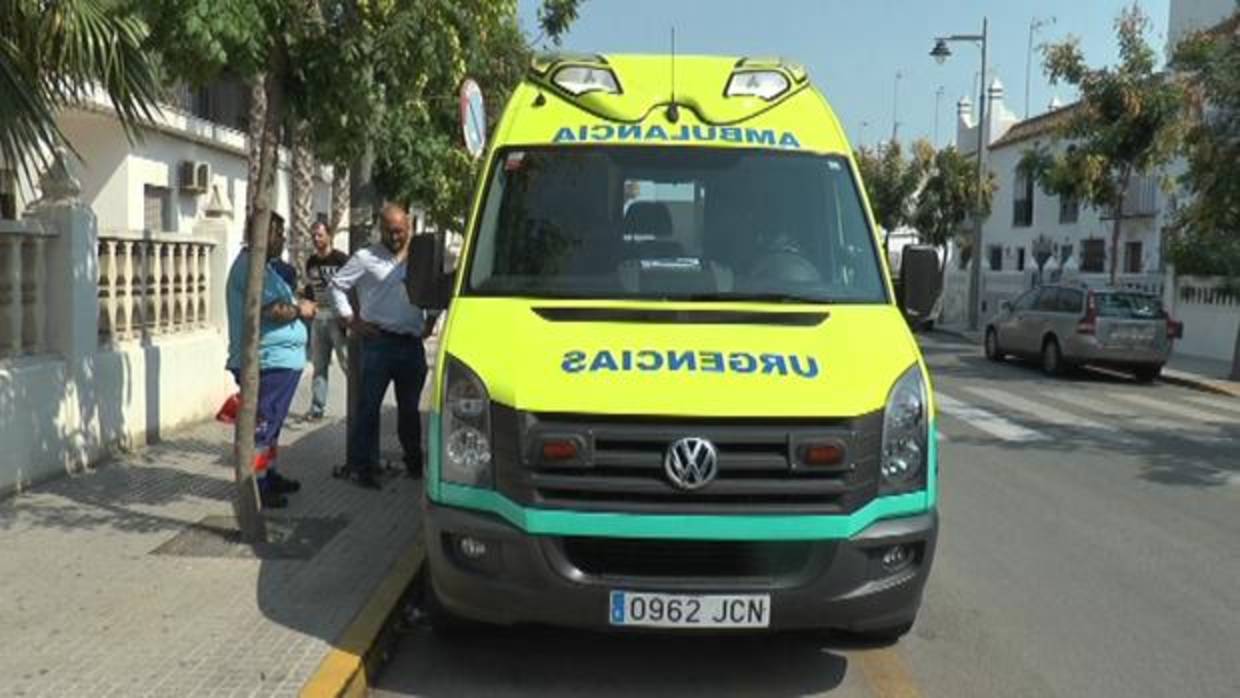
673, 389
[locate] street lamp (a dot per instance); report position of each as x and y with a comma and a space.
941, 52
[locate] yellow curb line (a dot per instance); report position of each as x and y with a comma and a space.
1207, 385
343, 672
887, 675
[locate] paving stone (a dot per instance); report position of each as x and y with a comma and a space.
96, 605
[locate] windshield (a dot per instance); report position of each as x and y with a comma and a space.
674, 223
1130, 306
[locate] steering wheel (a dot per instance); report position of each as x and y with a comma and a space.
785, 267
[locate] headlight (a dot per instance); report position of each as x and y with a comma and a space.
902, 466
466, 428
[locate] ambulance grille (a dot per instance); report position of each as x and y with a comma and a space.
679, 560
621, 468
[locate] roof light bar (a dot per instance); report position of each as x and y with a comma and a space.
765, 84
578, 80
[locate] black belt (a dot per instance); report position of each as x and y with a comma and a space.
395, 335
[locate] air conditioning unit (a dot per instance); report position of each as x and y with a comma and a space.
194, 177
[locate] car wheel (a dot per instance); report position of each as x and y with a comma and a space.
1147, 374
993, 352
1052, 358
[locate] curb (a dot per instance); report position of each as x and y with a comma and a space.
1189, 380
348, 668
958, 334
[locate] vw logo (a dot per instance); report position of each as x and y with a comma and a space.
691, 463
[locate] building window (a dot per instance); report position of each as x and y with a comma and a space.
1093, 256
1020, 259
157, 208
8, 195
996, 258
1132, 258
1022, 202
1069, 209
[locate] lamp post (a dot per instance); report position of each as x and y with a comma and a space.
938, 97
941, 52
1034, 25
895, 108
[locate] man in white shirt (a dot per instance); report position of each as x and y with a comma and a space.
391, 330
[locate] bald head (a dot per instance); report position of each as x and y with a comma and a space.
394, 224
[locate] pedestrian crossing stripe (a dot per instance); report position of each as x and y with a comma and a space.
1042, 411
987, 421
1218, 403
1168, 407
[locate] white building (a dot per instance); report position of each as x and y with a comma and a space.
1022, 212
140, 186
112, 322
1188, 16
1080, 235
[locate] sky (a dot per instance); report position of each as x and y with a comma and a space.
853, 49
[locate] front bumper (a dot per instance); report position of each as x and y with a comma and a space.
530, 579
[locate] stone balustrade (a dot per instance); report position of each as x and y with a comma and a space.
153, 284
23, 290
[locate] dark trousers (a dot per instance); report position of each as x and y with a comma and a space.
276, 387
385, 360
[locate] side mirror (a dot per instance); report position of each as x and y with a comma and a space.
429, 287
921, 282
1005, 307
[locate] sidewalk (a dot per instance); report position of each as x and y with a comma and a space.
1206, 373
1200, 374
119, 583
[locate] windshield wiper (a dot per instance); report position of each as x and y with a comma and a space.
759, 297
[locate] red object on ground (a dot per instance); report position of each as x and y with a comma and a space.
228, 411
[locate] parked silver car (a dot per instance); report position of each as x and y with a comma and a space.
1065, 325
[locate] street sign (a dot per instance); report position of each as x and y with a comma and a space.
473, 118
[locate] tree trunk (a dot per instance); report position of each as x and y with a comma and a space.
302, 194
1235, 359
340, 196
362, 214
258, 122
247, 505
1117, 227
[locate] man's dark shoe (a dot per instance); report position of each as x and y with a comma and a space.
413, 470
368, 480
272, 500
282, 485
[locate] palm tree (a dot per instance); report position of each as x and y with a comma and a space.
340, 196
55, 54
301, 192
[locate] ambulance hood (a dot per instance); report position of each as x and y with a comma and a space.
701, 360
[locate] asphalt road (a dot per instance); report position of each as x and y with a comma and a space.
1090, 546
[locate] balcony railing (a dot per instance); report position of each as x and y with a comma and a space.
1140, 200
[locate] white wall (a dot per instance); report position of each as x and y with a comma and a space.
58, 415
1210, 318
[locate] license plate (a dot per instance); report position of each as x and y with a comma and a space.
690, 611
